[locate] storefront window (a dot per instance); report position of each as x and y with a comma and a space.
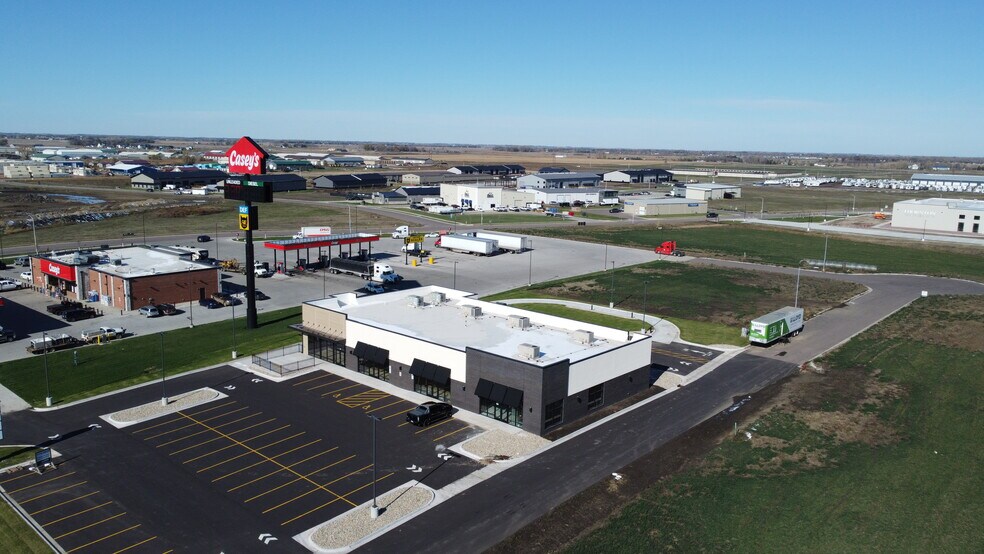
432, 389
501, 412
373, 369
326, 349
553, 413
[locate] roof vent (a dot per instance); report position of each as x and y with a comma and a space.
435, 298
529, 351
414, 301
519, 322
583, 337
472, 311
118, 261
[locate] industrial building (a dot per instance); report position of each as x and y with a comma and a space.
530, 370
558, 180
438, 177
350, 181
417, 194
484, 196
509, 169
281, 182
707, 191
125, 278
940, 214
155, 179
661, 206
649, 175
958, 183
585, 195
288, 165
21, 170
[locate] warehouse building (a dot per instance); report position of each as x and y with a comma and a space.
940, 214
959, 183
288, 165
656, 206
438, 177
484, 196
418, 194
530, 370
584, 195
26, 171
508, 169
707, 191
650, 175
125, 278
155, 179
281, 182
569, 179
351, 181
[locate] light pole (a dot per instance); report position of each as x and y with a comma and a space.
825, 239
454, 278
143, 225
324, 282
47, 388
854, 200
604, 267
796, 299
216, 240
762, 209
34, 229
163, 384
531, 264
645, 301
2, 229
374, 509
233, 330
611, 298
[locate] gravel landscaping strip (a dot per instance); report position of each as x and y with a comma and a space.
154, 409
498, 444
355, 525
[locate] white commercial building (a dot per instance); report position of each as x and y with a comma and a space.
524, 368
572, 195
661, 206
940, 214
954, 183
558, 180
707, 191
484, 196
26, 171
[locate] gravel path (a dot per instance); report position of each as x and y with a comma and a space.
154, 409
498, 444
351, 527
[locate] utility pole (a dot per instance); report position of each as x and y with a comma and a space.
825, 239
611, 298
374, 509
531, 264
163, 383
796, 299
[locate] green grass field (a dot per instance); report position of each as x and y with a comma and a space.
16, 536
834, 202
880, 454
585, 316
786, 247
137, 360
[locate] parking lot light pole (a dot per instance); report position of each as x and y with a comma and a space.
234, 330
531, 263
645, 301
796, 299
163, 383
611, 299
374, 509
34, 229
47, 389
825, 239
454, 277
762, 209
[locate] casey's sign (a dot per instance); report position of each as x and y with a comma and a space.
247, 157
56, 269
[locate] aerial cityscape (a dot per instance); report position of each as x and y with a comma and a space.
504, 277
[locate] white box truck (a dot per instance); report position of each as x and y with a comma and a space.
306, 232
776, 325
468, 245
513, 243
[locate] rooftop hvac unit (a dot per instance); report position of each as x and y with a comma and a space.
583, 337
529, 351
519, 322
118, 261
415, 301
472, 311
435, 298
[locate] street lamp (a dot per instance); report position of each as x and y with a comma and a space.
34, 229
233, 330
374, 509
47, 388
604, 266
796, 299
762, 209
531, 264
825, 239
645, 301
611, 299
163, 384
454, 277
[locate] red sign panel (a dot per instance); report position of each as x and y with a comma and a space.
56, 269
247, 157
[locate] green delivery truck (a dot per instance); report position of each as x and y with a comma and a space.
776, 325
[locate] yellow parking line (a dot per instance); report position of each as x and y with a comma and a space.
104, 538
362, 398
203, 443
276, 471
135, 545
299, 477
76, 513
325, 384
42, 482
27, 474
121, 514
270, 459
177, 419
451, 433
341, 389
321, 375
62, 503
203, 431
232, 445
333, 501
386, 406
264, 461
22, 502
429, 427
298, 497
192, 424
237, 456
401, 412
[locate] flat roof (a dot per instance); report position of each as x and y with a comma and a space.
948, 177
664, 200
448, 325
137, 261
322, 241
710, 186
952, 203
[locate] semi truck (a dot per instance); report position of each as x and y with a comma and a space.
513, 243
367, 269
468, 245
306, 232
401, 232
776, 325
669, 248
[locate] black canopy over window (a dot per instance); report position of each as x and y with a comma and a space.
432, 372
373, 354
499, 393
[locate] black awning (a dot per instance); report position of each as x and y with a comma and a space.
499, 393
432, 372
372, 354
360, 349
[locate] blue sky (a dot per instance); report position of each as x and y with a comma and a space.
862, 76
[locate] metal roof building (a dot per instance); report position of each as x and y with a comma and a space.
558, 180
940, 214
350, 181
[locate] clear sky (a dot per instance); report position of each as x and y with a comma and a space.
865, 76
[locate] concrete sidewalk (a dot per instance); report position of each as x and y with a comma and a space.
10, 402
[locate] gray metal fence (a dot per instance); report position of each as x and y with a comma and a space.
265, 360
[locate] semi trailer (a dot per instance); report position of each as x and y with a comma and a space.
367, 269
777, 325
513, 243
468, 245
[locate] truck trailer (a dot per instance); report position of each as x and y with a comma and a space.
468, 245
776, 325
513, 243
307, 232
367, 269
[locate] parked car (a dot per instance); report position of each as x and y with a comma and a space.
114, 332
79, 314
167, 309
432, 235
7, 284
615, 211
209, 303
204, 238
712, 215
224, 299
259, 296
27, 276
22, 261
429, 412
6, 335
149, 311
62, 307
95, 335
373, 288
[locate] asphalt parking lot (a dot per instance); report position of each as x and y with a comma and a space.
270, 457
681, 358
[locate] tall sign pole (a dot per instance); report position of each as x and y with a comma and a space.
247, 158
